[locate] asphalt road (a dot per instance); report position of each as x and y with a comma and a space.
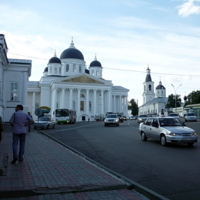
172, 171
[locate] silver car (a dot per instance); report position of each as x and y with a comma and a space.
175, 115
111, 119
190, 117
167, 130
44, 122
141, 118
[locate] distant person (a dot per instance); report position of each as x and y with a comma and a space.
29, 126
1, 128
19, 121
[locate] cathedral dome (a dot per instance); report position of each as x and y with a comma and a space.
160, 86
55, 60
72, 52
95, 63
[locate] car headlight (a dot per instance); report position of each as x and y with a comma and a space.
194, 133
116, 120
175, 134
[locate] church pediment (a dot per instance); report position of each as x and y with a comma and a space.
82, 79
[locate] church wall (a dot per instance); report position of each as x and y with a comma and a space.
45, 96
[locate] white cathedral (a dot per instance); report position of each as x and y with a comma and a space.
153, 102
67, 83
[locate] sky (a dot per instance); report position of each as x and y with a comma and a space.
127, 36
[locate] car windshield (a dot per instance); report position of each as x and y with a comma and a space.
43, 119
111, 116
143, 116
173, 114
190, 114
169, 122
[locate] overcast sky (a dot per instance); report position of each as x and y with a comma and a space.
126, 35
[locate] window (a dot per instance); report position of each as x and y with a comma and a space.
59, 70
55, 70
67, 68
82, 106
97, 73
90, 106
14, 92
74, 68
93, 72
80, 69
149, 87
50, 69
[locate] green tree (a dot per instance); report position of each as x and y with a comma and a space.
193, 97
171, 101
133, 107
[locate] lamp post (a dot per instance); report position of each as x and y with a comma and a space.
175, 89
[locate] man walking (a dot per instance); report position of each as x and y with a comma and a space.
19, 121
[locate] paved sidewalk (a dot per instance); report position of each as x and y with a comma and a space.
52, 171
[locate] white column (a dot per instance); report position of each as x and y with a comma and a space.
120, 103
87, 101
70, 98
63, 98
54, 101
78, 103
33, 103
102, 102
25, 93
109, 101
114, 104
95, 102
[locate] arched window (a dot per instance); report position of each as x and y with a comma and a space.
50, 69
80, 69
74, 68
93, 72
59, 70
149, 87
97, 73
67, 68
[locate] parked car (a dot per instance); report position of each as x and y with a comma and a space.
44, 122
111, 119
121, 119
175, 115
190, 117
167, 130
133, 118
141, 118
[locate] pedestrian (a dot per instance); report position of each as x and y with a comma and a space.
29, 126
19, 121
1, 128
88, 119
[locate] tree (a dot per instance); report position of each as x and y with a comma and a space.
193, 98
171, 101
133, 107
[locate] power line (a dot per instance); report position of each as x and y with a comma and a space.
119, 69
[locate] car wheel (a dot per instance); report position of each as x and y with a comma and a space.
53, 126
143, 136
117, 124
105, 125
163, 140
47, 126
190, 144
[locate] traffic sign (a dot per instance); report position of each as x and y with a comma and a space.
38, 112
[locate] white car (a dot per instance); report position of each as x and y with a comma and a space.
111, 119
190, 117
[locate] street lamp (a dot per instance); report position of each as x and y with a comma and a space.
175, 89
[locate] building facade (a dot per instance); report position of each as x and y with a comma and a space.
153, 102
67, 83
14, 74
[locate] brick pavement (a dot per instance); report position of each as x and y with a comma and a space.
52, 171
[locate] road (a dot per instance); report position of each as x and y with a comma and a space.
172, 171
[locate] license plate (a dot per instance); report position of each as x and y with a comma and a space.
187, 138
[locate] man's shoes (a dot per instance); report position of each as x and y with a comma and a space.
14, 160
20, 160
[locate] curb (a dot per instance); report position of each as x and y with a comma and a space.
129, 183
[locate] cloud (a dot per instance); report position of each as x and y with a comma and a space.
189, 8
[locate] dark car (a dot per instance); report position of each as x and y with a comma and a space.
121, 118
124, 118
